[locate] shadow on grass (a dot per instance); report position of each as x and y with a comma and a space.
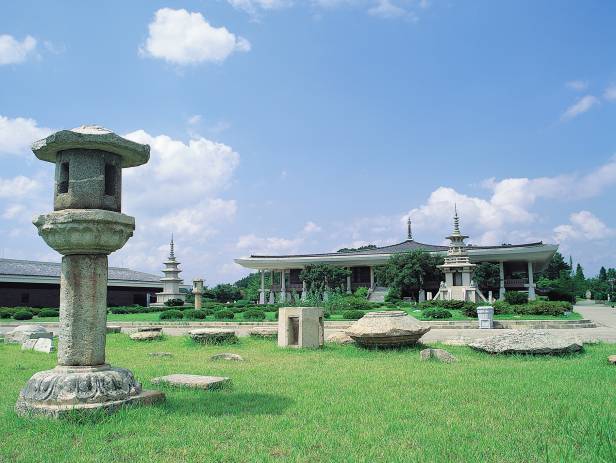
220, 404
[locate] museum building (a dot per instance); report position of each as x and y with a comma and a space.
518, 264
37, 284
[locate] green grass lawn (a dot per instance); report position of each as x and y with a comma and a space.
339, 404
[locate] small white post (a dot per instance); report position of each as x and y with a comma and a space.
348, 290
283, 286
371, 277
262, 290
502, 280
531, 282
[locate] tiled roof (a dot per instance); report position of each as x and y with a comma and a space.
405, 246
52, 269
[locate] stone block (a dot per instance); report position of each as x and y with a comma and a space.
193, 381
146, 336
263, 332
386, 329
526, 342
44, 345
340, 338
438, 354
114, 329
612, 359
301, 327
23, 332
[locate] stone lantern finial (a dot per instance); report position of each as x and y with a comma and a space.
456, 221
171, 254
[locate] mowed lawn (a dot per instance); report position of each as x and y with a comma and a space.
341, 403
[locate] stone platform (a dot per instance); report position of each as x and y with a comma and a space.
193, 381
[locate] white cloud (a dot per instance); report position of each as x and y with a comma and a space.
387, 10
195, 119
13, 211
269, 246
610, 93
12, 51
581, 106
199, 219
16, 135
253, 7
583, 225
577, 85
18, 186
181, 37
311, 227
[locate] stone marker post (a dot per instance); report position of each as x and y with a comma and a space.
198, 291
85, 227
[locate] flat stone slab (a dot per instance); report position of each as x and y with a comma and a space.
23, 332
612, 359
146, 336
160, 354
268, 333
114, 329
227, 356
213, 336
438, 354
193, 381
526, 342
143, 329
340, 338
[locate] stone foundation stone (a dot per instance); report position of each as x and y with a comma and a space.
23, 332
193, 381
386, 329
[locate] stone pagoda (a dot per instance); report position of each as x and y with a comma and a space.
171, 281
458, 269
85, 227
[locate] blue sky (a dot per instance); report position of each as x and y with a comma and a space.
283, 126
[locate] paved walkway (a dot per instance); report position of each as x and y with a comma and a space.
604, 317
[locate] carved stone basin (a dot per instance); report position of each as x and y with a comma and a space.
386, 329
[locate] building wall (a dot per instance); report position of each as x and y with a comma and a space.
48, 295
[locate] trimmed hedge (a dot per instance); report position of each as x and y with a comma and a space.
23, 315
516, 297
253, 314
437, 313
195, 314
49, 313
172, 314
224, 315
353, 314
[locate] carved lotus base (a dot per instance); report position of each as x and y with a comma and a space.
64, 390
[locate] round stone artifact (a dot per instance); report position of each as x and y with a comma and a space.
386, 329
535, 342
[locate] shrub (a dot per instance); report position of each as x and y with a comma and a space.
554, 308
361, 292
254, 314
23, 315
5, 312
353, 314
224, 314
501, 307
171, 315
174, 303
436, 313
516, 297
470, 310
393, 296
242, 303
49, 313
452, 305
194, 314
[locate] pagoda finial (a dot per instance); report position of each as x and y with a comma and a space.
171, 254
456, 221
410, 231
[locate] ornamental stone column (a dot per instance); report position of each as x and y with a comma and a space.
197, 291
85, 227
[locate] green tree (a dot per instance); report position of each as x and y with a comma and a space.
487, 276
361, 248
602, 274
559, 289
251, 284
408, 271
226, 293
319, 277
579, 281
557, 264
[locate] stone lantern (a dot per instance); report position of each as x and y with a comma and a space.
85, 227
197, 291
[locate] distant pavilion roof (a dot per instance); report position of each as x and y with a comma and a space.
29, 271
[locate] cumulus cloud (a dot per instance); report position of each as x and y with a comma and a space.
583, 225
311, 227
254, 7
18, 186
16, 135
387, 10
610, 93
269, 245
12, 51
581, 106
181, 37
577, 85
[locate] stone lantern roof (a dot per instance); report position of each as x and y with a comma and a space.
92, 137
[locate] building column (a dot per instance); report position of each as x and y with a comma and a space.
304, 290
271, 293
348, 289
531, 283
371, 277
283, 286
262, 290
501, 266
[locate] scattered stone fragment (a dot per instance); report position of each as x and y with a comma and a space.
227, 356
536, 342
44, 345
160, 354
114, 329
457, 342
193, 381
264, 332
438, 354
213, 336
386, 329
612, 359
146, 335
340, 338
150, 328
23, 332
